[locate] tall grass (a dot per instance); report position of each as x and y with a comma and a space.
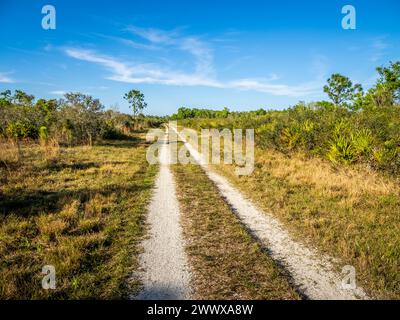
81, 212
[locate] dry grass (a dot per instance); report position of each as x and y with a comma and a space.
10, 152
350, 213
323, 176
227, 262
50, 149
80, 211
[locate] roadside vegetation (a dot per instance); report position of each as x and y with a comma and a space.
82, 214
354, 128
351, 213
74, 187
330, 172
76, 119
227, 262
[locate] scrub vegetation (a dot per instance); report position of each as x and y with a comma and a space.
330, 172
74, 186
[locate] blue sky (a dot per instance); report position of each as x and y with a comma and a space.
240, 54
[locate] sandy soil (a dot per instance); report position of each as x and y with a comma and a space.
164, 269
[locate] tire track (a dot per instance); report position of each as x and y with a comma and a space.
311, 273
165, 273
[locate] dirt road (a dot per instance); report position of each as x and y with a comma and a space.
165, 272
314, 275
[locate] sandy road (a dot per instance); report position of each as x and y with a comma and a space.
165, 272
311, 273
164, 269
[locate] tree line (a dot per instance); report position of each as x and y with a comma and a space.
74, 119
355, 126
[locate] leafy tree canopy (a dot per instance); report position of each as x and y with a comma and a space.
341, 90
136, 101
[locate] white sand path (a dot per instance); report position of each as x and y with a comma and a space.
164, 268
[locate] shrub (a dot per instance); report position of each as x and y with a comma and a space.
43, 135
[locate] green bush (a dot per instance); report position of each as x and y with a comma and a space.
76, 119
43, 135
370, 136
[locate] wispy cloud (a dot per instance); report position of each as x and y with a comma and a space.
58, 92
4, 77
153, 74
130, 42
319, 67
203, 74
202, 53
120, 70
155, 35
378, 47
199, 49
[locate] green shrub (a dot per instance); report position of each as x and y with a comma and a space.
362, 142
341, 150
43, 135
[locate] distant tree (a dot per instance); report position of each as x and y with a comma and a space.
260, 112
22, 98
5, 98
341, 90
47, 107
83, 103
223, 113
82, 114
389, 82
379, 96
325, 105
136, 101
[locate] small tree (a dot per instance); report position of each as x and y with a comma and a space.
389, 82
136, 101
85, 113
5, 98
22, 98
341, 90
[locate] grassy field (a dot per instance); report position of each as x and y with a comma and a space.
227, 262
349, 212
79, 209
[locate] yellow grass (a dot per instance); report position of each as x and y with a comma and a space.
79, 209
349, 212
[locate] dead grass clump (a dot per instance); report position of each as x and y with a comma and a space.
10, 151
50, 226
50, 149
99, 205
70, 211
299, 169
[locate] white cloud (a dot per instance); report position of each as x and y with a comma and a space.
4, 78
203, 54
153, 74
203, 74
193, 45
378, 47
154, 35
58, 92
119, 68
274, 89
